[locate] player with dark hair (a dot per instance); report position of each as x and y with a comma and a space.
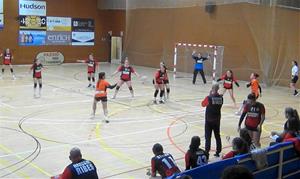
255, 115
237, 172
36, 68
125, 77
239, 147
198, 67
101, 95
92, 65
163, 163
7, 58
213, 104
79, 168
195, 156
244, 134
295, 76
228, 79
159, 82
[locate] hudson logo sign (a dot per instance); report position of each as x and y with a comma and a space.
32, 7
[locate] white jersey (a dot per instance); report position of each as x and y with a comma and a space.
295, 70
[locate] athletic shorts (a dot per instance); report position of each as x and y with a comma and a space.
166, 81
125, 80
40, 77
228, 88
91, 72
294, 79
103, 99
157, 82
251, 128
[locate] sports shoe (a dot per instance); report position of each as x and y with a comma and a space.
217, 155
154, 101
105, 120
296, 93
89, 85
94, 86
238, 113
14, 77
161, 101
92, 116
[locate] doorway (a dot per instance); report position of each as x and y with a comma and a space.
116, 49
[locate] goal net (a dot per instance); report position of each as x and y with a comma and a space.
184, 63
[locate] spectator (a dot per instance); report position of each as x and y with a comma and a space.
244, 134
290, 113
163, 163
237, 172
195, 156
239, 147
79, 168
213, 104
291, 131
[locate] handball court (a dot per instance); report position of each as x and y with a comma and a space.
38, 133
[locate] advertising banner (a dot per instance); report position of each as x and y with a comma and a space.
58, 38
1, 21
59, 24
27, 7
33, 22
51, 58
83, 38
83, 25
1, 6
32, 38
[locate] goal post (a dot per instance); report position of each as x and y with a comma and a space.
183, 58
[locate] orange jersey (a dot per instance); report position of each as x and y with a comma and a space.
101, 88
255, 87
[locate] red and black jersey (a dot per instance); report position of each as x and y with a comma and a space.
92, 64
195, 158
161, 77
7, 57
164, 164
125, 72
81, 170
228, 81
37, 70
213, 104
253, 114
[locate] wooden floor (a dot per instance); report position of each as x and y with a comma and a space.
37, 133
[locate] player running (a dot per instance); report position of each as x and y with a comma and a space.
36, 68
125, 77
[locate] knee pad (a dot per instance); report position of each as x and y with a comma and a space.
2, 70
168, 90
40, 85
35, 85
89, 78
130, 88
11, 70
93, 78
155, 93
118, 87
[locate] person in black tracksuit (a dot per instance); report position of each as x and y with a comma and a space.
198, 67
213, 104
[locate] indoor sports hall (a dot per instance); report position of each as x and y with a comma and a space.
186, 64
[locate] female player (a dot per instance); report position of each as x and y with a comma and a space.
195, 156
198, 67
229, 79
255, 89
36, 68
295, 74
92, 66
7, 58
125, 77
101, 95
159, 82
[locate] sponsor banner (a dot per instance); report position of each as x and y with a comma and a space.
51, 58
1, 21
33, 22
83, 25
32, 38
59, 24
58, 38
83, 38
1, 6
27, 7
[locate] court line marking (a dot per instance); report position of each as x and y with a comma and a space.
4, 148
19, 173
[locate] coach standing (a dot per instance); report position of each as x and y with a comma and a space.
213, 104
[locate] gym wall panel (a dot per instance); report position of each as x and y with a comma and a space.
104, 21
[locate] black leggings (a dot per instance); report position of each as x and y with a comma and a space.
202, 75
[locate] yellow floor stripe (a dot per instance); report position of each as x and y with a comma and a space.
19, 173
4, 148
